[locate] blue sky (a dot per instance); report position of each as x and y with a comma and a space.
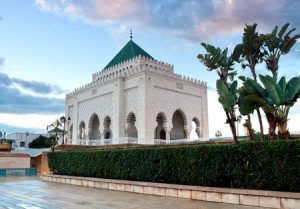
49, 47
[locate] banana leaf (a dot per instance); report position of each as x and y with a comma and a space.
270, 87
226, 97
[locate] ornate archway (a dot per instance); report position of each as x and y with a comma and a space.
195, 132
82, 130
131, 129
179, 124
160, 132
94, 124
107, 131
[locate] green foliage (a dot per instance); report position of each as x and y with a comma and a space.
227, 94
271, 94
270, 165
276, 44
219, 60
275, 98
41, 142
251, 48
281, 93
216, 59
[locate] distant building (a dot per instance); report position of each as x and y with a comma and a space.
22, 139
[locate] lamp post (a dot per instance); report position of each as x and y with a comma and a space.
63, 120
70, 135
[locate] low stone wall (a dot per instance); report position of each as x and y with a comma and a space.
14, 161
260, 198
40, 162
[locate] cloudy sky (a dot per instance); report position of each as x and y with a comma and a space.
49, 47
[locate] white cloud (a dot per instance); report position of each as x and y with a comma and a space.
29, 92
189, 19
37, 121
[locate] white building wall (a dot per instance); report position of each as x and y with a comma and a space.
143, 87
167, 94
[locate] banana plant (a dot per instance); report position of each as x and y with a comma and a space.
252, 95
250, 50
284, 95
228, 98
219, 60
275, 98
276, 44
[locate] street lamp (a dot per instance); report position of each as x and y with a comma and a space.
63, 120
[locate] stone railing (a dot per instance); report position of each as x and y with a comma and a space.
132, 140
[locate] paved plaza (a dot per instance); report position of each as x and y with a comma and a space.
32, 193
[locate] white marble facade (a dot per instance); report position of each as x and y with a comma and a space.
139, 98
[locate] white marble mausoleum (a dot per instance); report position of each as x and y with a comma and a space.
136, 97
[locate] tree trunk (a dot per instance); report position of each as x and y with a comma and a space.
231, 122
284, 135
283, 132
250, 130
272, 126
260, 123
252, 67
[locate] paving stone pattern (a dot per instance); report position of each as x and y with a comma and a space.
25, 193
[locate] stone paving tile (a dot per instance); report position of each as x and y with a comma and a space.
31, 193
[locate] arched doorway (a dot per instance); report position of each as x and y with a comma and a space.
107, 135
179, 124
107, 131
94, 124
131, 129
160, 132
195, 132
82, 130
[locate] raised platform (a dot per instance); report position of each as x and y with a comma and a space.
8, 160
260, 198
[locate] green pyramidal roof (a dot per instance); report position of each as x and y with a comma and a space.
129, 51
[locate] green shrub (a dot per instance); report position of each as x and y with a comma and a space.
41, 142
269, 165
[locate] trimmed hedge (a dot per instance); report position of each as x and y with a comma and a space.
268, 165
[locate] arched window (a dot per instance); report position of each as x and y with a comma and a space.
160, 132
131, 129
195, 132
94, 125
179, 124
107, 131
71, 132
82, 130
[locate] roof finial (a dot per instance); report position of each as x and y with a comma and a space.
130, 34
